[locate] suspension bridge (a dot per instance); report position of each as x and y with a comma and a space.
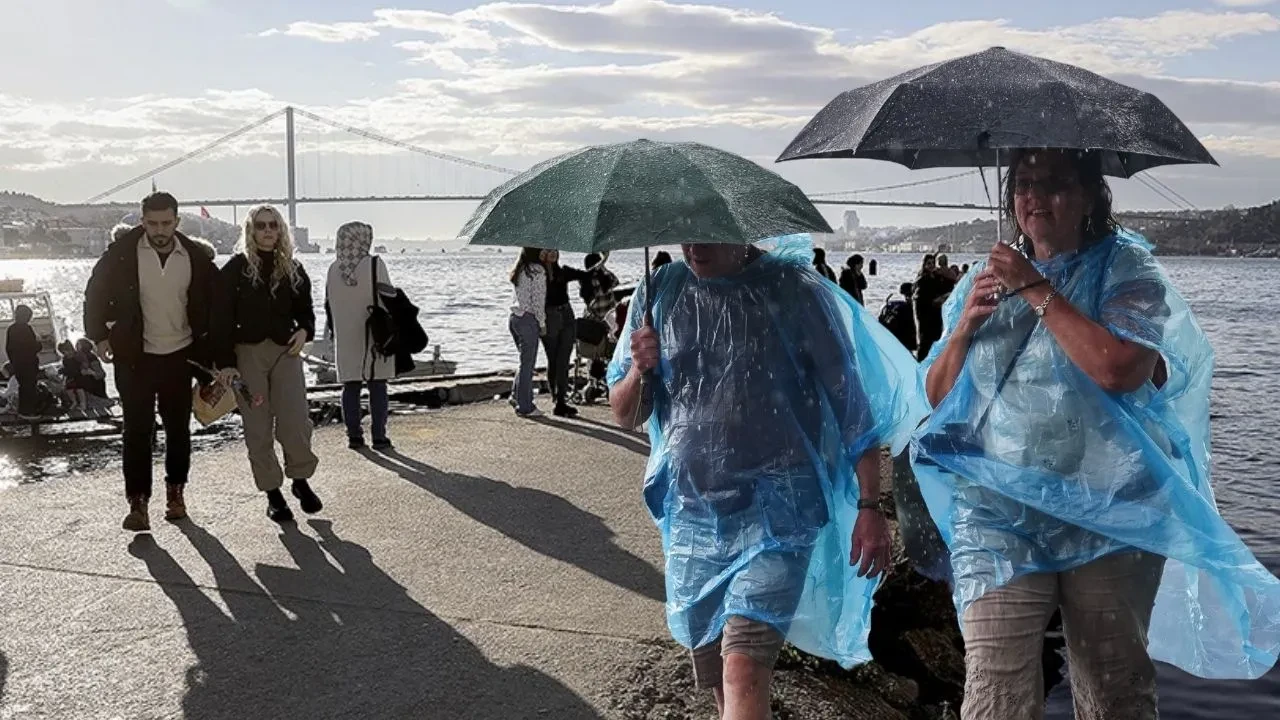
349, 164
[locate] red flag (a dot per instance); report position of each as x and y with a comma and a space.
204, 213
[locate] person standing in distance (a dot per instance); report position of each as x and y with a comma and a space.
147, 310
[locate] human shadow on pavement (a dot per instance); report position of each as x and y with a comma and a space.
335, 637
613, 436
539, 520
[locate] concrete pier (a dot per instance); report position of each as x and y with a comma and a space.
490, 567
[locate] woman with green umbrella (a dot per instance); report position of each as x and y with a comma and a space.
772, 393
763, 387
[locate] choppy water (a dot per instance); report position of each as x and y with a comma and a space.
465, 299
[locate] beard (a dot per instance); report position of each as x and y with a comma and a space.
160, 241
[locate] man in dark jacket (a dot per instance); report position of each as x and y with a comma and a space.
147, 307
23, 348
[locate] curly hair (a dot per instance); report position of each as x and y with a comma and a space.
285, 266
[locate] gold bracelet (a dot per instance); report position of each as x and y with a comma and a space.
1044, 304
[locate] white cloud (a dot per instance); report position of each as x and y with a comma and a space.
326, 32
457, 31
600, 73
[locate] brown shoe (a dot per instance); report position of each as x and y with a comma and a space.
137, 520
176, 509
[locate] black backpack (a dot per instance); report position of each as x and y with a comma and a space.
896, 316
393, 333
380, 327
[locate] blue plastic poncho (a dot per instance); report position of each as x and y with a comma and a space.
772, 384
1028, 466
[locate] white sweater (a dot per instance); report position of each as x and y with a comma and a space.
531, 295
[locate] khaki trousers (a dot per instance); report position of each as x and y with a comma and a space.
276, 376
1106, 610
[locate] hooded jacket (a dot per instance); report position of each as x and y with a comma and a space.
113, 305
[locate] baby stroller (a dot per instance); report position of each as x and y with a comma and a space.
595, 344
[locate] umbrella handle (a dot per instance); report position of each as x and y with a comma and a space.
648, 321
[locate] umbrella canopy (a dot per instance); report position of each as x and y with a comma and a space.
959, 113
638, 194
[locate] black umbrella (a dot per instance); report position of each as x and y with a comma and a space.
964, 112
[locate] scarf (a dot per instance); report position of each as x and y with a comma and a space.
354, 241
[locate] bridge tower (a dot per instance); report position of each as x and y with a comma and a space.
291, 166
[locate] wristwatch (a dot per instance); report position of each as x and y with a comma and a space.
1044, 304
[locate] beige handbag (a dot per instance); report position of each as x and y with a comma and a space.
211, 402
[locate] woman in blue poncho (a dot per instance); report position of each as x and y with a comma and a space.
1066, 464
767, 387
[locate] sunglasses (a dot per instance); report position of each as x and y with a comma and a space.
266, 225
1048, 186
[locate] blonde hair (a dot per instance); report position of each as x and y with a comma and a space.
284, 265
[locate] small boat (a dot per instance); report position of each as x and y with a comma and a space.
51, 330
48, 326
319, 355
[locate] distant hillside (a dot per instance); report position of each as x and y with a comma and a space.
1230, 231
30, 209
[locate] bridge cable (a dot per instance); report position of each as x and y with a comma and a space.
894, 187
172, 163
370, 135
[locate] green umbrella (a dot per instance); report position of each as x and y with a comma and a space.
638, 194
642, 193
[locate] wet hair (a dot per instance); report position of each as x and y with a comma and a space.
1088, 166
855, 261
530, 257
84, 345
159, 202
22, 314
65, 347
906, 288
964, 268
819, 256
660, 258
591, 260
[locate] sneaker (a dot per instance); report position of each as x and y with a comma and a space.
277, 509
175, 504
565, 410
534, 413
307, 497
137, 520
355, 443
384, 444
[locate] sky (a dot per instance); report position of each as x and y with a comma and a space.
96, 92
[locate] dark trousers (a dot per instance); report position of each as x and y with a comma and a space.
379, 408
562, 331
28, 388
155, 380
